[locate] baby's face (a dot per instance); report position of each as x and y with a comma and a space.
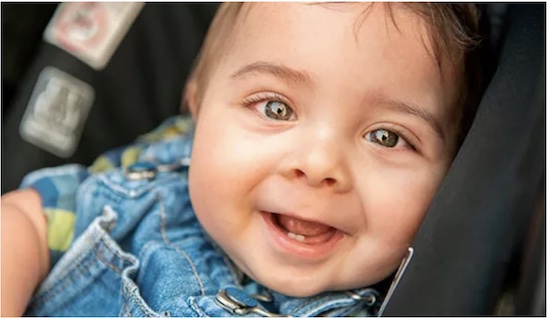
320, 143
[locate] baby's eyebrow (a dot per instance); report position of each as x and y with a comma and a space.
287, 74
296, 77
418, 111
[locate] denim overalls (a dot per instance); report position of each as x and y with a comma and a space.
127, 243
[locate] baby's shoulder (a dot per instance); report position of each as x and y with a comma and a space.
168, 143
126, 178
168, 147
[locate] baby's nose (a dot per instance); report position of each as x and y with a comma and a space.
320, 161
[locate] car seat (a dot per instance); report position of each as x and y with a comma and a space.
481, 248
139, 87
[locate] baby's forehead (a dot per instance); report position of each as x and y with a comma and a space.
407, 19
250, 15
443, 35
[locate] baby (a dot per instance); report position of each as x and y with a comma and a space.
319, 135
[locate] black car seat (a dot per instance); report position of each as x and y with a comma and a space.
481, 248
139, 87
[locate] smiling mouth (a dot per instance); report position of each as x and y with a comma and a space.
302, 237
303, 231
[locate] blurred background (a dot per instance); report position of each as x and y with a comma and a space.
139, 86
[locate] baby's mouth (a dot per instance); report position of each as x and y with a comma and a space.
307, 232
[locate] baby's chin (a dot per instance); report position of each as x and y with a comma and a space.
304, 286
295, 289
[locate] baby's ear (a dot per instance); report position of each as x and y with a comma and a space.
190, 98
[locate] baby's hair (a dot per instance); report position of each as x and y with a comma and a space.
455, 38
453, 41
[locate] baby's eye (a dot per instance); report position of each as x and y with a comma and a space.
278, 110
385, 138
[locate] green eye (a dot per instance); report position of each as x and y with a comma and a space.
278, 111
383, 137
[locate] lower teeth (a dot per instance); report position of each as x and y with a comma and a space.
297, 237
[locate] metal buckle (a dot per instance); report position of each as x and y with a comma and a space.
144, 170
240, 303
370, 299
141, 171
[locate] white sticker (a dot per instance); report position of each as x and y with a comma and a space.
57, 110
91, 31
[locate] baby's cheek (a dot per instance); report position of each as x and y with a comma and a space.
219, 184
395, 203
